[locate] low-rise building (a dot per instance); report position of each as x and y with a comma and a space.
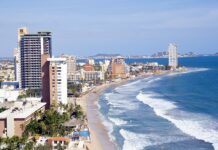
9, 95
14, 120
92, 75
75, 77
10, 85
88, 67
58, 142
83, 75
7, 72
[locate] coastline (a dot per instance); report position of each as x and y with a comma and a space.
99, 133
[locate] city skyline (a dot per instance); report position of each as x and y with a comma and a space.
84, 28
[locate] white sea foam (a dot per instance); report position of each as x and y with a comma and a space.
133, 141
119, 101
117, 121
98, 105
190, 70
197, 125
133, 83
108, 125
138, 141
153, 80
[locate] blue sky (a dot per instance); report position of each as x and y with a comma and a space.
130, 27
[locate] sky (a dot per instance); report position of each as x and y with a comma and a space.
128, 27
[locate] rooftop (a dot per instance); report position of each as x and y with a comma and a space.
22, 109
58, 139
56, 59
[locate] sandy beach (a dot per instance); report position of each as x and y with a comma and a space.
100, 139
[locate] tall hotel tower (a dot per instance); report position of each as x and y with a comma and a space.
57, 81
173, 56
21, 32
32, 48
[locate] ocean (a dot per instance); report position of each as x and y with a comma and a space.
168, 112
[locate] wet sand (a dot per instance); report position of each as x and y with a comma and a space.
100, 139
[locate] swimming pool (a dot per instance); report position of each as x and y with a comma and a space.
84, 133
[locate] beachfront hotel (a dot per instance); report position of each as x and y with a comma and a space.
173, 55
28, 57
17, 61
118, 68
57, 81
14, 120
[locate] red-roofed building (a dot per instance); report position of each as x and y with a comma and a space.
88, 67
56, 142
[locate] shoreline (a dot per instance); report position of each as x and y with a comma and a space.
99, 133
89, 102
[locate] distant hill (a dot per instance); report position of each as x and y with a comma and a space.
102, 56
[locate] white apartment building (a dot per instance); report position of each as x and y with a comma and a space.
58, 80
173, 56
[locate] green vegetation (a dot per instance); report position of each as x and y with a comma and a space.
2, 109
75, 89
77, 112
12, 143
51, 122
28, 93
43, 147
29, 145
167, 67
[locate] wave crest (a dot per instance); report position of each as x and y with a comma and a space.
197, 125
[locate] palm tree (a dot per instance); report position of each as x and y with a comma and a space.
1, 141
43, 127
12, 143
60, 147
29, 146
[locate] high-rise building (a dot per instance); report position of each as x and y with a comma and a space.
173, 56
58, 81
16, 61
71, 65
21, 31
31, 49
45, 80
118, 68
